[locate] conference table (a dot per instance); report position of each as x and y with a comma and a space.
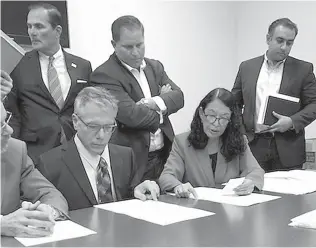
264, 224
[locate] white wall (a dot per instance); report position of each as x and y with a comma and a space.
194, 40
201, 44
254, 18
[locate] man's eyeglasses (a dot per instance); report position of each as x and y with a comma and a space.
6, 122
96, 128
213, 118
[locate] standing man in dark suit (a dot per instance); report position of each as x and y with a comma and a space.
45, 84
88, 170
280, 146
20, 181
146, 97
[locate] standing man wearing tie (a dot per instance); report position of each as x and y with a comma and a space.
147, 96
280, 146
45, 84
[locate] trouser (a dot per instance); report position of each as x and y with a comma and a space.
155, 164
264, 149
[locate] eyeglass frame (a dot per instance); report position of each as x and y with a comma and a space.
216, 118
6, 122
91, 127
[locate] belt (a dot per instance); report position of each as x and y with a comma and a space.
267, 135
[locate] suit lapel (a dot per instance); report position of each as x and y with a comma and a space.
286, 76
119, 71
72, 74
35, 67
221, 168
117, 169
154, 88
73, 161
253, 78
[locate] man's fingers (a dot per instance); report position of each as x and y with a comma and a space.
139, 195
192, 190
38, 223
6, 76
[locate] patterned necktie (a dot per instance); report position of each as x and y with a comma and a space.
54, 84
103, 182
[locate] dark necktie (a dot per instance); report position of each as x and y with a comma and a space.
54, 84
103, 182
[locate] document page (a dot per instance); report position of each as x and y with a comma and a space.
63, 230
295, 182
157, 212
228, 197
307, 220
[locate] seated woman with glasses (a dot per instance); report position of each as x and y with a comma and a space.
213, 152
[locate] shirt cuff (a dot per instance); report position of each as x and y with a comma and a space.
160, 103
160, 116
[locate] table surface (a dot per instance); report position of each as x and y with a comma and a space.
264, 224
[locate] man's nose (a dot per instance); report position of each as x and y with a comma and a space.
135, 51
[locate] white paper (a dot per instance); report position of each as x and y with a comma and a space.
157, 212
295, 182
307, 220
62, 230
231, 184
217, 195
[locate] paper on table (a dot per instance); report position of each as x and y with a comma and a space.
307, 220
295, 182
157, 212
62, 230
217, 195
231, 184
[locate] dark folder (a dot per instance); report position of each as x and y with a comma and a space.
11, 53
281, 106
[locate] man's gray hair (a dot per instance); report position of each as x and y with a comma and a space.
97, 95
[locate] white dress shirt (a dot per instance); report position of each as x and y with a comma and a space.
61, 68
268, 82
90, 164
156, 139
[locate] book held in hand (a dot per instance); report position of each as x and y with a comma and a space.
279, 103
11, 53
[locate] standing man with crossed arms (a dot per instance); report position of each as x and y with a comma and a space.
146, 96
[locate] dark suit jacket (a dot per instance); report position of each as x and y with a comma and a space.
37, 120
63, 167
186, 164
21, 181
298, 80
137, 121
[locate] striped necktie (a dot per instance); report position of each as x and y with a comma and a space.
54, 84
103, 182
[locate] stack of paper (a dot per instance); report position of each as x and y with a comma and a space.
160, 213
229, 197
62, 230
307, 220
295, 182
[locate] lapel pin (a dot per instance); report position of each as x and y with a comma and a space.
73, 65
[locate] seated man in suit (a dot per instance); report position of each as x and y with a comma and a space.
21, 181
88, 170
45, 84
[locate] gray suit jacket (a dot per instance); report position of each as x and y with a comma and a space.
21, 181
63, 167
186, 164
298, 80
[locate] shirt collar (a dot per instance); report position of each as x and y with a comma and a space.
270, 64
84, 152
142, 66
57, 55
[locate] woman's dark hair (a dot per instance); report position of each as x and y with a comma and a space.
232, 138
